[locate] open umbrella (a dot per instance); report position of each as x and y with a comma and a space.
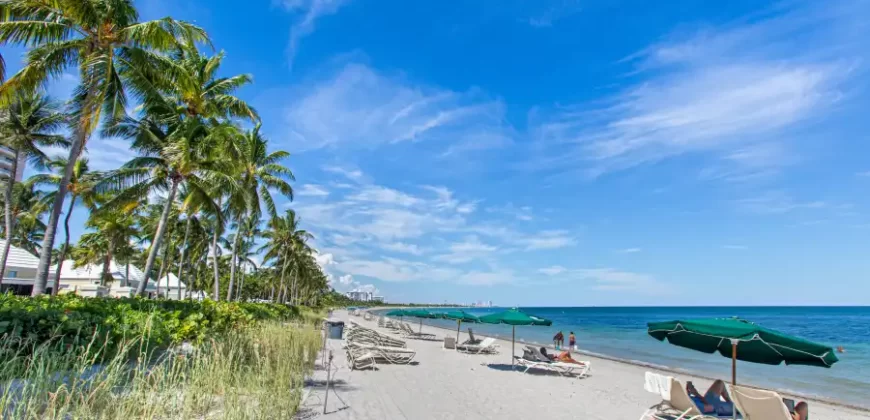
739, 339
514, 317
460, 317
420, 313
396, 312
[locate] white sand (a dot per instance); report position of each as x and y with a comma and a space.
445, 384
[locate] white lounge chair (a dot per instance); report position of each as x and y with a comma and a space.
394, 355
487, 346
758, 404
533, 359
676, 403
409, 333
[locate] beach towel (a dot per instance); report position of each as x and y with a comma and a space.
658, 384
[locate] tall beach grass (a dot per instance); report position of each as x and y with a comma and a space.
256, 372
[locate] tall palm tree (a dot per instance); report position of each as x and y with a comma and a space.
260, 172
170, 156
81, 187
26, 125
112, 230
287, 245
28, 204
96, 37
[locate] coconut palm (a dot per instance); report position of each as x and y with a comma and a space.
170, 156
287, 246
81, 190
27, 206
28, 124
96, 37
260, 172
113, 228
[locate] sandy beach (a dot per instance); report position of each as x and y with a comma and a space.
445, 384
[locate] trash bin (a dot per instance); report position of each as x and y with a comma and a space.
334, 329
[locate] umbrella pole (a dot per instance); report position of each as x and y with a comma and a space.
421, 326
513, 343
458, 327
733, 375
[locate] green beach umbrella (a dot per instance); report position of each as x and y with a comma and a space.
739, 339
396, 312
460, 317
420, 313
514, 317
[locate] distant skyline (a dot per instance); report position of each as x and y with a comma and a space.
563, 153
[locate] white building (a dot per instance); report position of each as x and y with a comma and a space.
170, 286
125, 279
20, 270
364, 296
7, 156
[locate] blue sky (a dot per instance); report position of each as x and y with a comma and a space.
564, 152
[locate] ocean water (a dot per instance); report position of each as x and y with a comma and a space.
621, 333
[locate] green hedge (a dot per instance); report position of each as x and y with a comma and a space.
75, 322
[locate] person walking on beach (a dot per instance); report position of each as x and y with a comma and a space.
558, 339
572, 341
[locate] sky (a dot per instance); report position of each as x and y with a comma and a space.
562, 153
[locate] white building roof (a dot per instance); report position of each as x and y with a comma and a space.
19, 258
173, 281
93, 272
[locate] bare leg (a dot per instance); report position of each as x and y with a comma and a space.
801, 411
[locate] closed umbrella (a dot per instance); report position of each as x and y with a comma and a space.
739, 339
514, 317
460, 317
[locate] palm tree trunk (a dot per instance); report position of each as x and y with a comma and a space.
75, 150
233, 259
183, 250
162, 271
214, 244
63, 251
106, 265
127, 275
158, 237
7, 197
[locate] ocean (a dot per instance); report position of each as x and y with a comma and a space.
621, 333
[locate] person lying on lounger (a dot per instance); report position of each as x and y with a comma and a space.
548, 356
715, 400
801, 411
565, 357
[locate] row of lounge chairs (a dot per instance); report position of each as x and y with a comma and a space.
750, 403
404, 329
533, 359
367, 347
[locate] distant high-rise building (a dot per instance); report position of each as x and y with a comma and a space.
7, 156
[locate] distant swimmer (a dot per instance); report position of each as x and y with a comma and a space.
840, 349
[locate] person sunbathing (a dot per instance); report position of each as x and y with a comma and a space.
548, 356
801, 411
565, 357
715, 400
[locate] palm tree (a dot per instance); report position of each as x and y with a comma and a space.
112, 230
27, 206
96, 37
171, 156
260, 172
287, 245
28, 124
81, 186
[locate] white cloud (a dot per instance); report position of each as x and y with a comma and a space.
403, 248
617, 280
379, 194
470, 249
359, 107
351, 174
551, 239
312, 190
310, 11
720, 91
324, 260
863, 174
629, 250
776, 202
523, 213
553, 270
345, 279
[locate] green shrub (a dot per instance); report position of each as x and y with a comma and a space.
71, 322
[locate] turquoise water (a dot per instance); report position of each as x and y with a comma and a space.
621, 333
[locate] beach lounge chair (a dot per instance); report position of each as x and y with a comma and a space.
487, 346
534, 359
384, 354
471, 339
409, 333
676, 403
358, 358
758, 404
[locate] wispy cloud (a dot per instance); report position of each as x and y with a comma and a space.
609, 279
359, 107
731, 91
776, 202
628, 250
351, 174
863, 174
309, 11
553, 12
312, 190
